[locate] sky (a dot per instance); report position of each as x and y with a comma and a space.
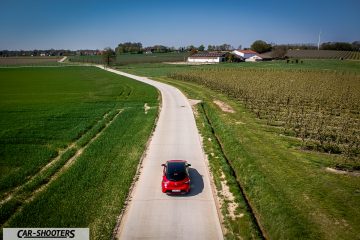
90, 24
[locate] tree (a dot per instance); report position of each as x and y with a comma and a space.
356, 45
129, 47
339, 46
225, 47
222, 47
193, 51
108, 56
201, 48
260, 46
160, 49
190, 48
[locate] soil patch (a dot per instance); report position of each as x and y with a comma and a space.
224, 107
336, 171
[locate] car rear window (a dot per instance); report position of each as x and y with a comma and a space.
176, 171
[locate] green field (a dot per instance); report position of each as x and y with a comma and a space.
90, 125
289, 190
124, 59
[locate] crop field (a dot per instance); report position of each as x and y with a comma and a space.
293, 97
324, 54
70, 142
321, 108
329, 65
16, 61
123, 59
290, 190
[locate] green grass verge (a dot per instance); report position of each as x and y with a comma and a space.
240, 223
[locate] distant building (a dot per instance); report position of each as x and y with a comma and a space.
251, 56
244, 53
254, 58
207, 57
42, 54
88, 52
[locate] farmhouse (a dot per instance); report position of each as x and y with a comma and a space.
207, 57
254, 58
251, 56
244, 53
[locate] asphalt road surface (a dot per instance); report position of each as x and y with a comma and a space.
152, 214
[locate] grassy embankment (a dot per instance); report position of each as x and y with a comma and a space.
290, 193
90, 126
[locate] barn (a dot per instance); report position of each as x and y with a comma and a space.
245, 53
251, 56
207, 57
254, 58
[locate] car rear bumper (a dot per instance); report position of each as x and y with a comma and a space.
185, 188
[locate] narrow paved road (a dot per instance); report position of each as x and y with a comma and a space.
152, 214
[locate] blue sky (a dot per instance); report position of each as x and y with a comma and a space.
80, 24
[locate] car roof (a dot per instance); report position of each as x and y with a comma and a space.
176, 166
176, 161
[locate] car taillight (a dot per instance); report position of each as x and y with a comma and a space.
187, 182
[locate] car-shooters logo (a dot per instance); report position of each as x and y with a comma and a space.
46, 233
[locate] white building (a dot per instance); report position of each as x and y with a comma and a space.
244, 53
207, 57
254, 58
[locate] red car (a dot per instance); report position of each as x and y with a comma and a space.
176, 177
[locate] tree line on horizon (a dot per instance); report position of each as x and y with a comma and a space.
260, 46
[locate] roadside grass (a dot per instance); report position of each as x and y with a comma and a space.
78, 104
289, 190
240, 223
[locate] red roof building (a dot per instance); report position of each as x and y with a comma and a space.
244, 53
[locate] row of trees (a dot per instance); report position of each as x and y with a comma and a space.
36, 52
341, 46
222, 47
279, 51
129, 47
